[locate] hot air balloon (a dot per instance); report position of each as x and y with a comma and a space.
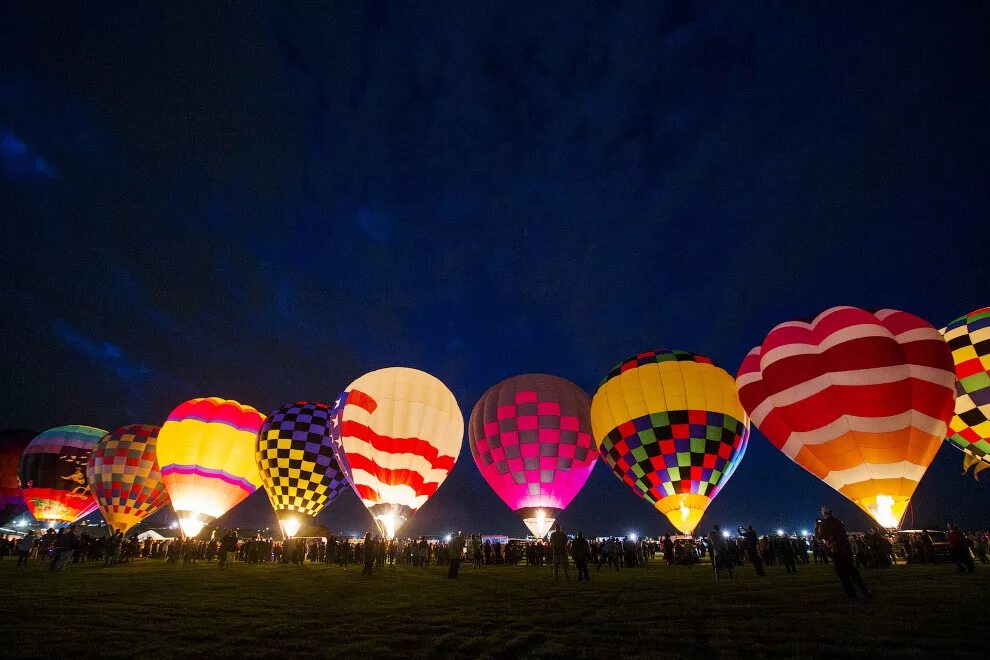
969, 340
670, 426
206, 452
861, 400
296, 459
12, 444
52, 473
124, 476
531, 439
400, 431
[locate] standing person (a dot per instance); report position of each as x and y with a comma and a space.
476, 549
580, 550
959, 550
668, 550
369, 554
456, 551
833, 533
786, 554
752, 548
719, 551
558, 546
24, 547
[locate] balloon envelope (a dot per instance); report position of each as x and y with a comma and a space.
670, 425
206, 450
12, 445
297, 462
530, 437
969, 340
124, 476
52, 473
400, 431
861, 400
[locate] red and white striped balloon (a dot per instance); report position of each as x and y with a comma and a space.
861, 400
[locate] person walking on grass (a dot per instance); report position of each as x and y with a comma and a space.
833, 533
456, 551
476, 549
558, 546
24, 547
369, 554
959, 550
580, 551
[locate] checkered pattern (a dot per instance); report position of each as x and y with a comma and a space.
969, 339
654, 357
678, 451
532, 440
124, 476
296, 458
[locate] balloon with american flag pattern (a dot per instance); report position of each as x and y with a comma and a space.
861, 400
398, 432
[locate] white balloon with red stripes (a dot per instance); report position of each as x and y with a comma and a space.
399, 432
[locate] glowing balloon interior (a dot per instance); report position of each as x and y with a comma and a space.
860, 400
206, 450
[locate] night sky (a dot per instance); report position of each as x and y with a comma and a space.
263, 203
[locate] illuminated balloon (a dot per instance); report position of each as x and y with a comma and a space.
12, 444
670, 425
531, 439
52, 473
124, 476
400, 431
969, 340
860, 400
296, 459
206, 452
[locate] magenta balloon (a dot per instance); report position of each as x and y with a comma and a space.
531, 438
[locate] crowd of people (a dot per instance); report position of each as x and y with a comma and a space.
831, 544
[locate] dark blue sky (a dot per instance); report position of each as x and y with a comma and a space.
263, 203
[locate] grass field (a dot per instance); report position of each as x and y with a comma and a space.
151, 609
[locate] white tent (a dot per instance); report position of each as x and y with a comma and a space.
150, 534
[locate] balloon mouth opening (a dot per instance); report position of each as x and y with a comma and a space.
192, 523
389, 523
290, 527
887, 511
539, 520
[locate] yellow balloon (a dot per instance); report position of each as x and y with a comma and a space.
206, 450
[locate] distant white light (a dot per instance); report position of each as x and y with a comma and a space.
804, 532
448, 538
725, 534
780, 532
21, 523
632, 536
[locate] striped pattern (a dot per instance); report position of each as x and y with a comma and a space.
124, 476
206, 450
670, 425
530, 437
969, 340
400, 431
52, 473
860, 400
